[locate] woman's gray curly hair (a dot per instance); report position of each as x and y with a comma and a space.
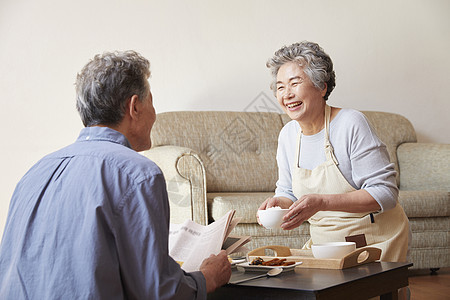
106, 83
316, 64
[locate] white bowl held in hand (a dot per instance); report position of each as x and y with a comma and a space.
333, 250
272, 218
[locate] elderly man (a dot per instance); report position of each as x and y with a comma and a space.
91, 221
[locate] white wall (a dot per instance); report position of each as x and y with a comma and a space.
210, 55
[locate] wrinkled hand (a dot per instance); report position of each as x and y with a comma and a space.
217, 270
301, 210
274, 201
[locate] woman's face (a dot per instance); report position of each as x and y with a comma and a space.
296, 94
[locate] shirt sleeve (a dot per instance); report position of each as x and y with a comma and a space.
370, 165
284, 183
142, 233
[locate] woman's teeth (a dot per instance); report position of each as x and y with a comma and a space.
292, 105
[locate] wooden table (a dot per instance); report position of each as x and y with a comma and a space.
362, 282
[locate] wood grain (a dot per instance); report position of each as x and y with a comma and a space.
429, 287
358, 257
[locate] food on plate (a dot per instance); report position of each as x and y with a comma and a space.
272, 262
257, 261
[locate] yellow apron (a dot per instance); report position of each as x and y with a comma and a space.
388, 230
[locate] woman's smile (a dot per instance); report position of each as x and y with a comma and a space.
292, 106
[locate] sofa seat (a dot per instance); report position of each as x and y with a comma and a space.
422, 204
430, 242
246, 206
417, 204
422, 207
430, 232
428, 213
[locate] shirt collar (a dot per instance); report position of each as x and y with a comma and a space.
96, 133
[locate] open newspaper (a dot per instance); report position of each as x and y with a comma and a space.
190, 243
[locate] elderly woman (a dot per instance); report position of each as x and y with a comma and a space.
334, 172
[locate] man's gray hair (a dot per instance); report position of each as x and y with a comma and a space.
106, 83
316, 64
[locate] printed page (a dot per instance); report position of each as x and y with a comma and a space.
190, 243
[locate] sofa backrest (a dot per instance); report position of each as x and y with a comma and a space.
238, 149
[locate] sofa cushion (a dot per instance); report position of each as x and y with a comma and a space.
430, 232
422, 204
417, 204
245, 204
237, 149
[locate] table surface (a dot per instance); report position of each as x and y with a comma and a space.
361, 282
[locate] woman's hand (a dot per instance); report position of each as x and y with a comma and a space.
302, 209
305, 207
274, 201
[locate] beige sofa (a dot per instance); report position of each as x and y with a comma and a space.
216, 161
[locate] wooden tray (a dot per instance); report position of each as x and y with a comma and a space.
358, 257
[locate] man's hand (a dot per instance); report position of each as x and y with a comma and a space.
217, 270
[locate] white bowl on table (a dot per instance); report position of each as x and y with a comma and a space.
272, 218
333, 250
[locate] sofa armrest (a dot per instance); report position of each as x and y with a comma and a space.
424, 166
186, 185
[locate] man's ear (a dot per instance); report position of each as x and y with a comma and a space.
132, 107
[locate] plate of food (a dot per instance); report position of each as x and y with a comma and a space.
258, 264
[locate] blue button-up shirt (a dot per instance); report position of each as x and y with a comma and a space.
91, 221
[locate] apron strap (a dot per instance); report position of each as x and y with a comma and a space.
329, 152
299, 140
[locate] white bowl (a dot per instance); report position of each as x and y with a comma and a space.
333, 250
272, 218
